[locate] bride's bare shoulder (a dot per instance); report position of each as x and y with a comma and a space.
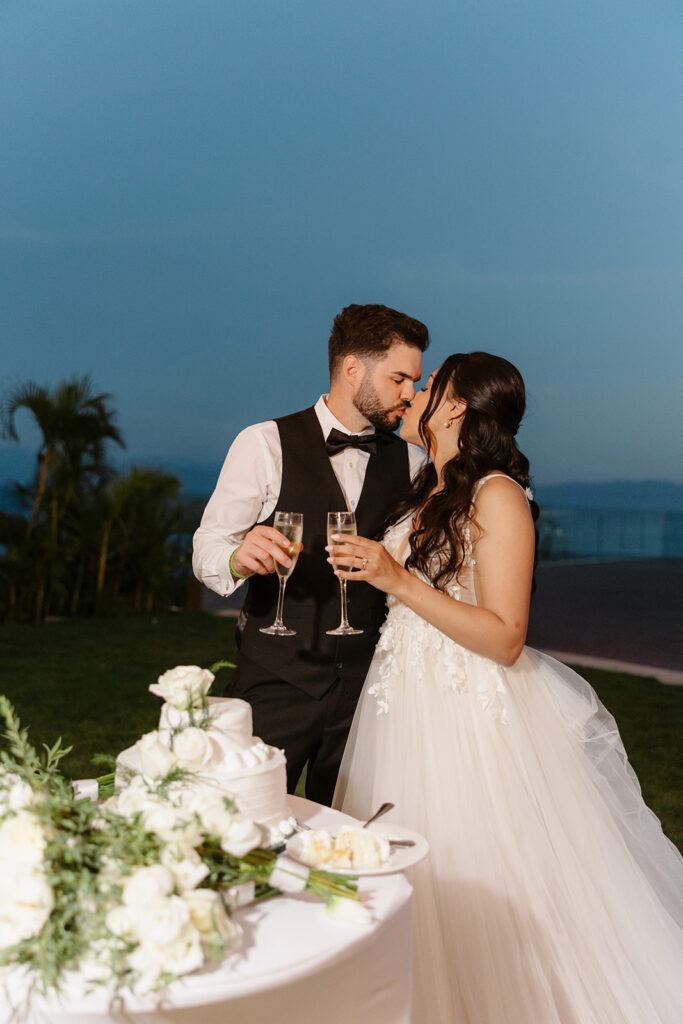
500, 496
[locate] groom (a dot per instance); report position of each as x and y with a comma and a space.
339, 454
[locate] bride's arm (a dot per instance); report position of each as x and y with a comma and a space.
504, 555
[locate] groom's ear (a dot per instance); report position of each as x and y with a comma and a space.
353, 369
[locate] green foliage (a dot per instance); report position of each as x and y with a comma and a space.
81, 840
90, 539
221, 664
22, 758
88, 854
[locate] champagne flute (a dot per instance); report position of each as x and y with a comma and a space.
344, 523
291, 526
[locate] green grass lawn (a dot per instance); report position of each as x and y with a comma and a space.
87, 681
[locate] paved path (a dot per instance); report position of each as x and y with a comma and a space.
623, 612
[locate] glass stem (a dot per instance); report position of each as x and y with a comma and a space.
342, 586
280, 602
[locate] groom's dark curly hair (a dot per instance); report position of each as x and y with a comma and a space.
494, 392
371, 330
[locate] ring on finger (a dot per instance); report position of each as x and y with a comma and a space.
365, 564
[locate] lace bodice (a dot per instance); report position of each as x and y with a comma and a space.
395, 540
408, 642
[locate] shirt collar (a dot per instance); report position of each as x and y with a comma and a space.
327, 420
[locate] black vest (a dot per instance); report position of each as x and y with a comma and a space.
311, 660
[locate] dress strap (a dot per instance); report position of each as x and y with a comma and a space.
490, 476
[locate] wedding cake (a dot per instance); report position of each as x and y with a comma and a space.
212, 737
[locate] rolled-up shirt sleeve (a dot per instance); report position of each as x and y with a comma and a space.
246, 492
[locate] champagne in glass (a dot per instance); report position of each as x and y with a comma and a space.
291, 526
293, 532
344, 523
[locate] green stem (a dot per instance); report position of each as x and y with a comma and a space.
105, 785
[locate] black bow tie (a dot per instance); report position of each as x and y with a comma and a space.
337, 442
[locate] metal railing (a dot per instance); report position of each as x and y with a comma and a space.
568, 533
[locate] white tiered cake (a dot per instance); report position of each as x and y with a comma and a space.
216, 744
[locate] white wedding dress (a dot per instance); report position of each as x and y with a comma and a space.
550, 895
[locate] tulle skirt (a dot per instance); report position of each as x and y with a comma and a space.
551, 895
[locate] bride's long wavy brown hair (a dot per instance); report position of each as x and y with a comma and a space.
494, 392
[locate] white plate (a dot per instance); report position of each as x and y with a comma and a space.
400, 858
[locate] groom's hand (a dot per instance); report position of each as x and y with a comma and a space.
259, 551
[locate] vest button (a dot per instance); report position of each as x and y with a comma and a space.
340, 664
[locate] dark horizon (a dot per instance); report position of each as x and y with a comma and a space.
17, 465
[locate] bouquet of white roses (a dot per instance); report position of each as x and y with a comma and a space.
135, 891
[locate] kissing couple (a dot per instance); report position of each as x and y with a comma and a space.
551, 894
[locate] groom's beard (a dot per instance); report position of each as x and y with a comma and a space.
368, 402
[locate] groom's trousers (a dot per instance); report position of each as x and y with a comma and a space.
309, 729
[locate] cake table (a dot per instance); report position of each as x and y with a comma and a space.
295, 965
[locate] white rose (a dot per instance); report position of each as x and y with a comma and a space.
173, 825
22, 839
134, 797
183, 686
156, 760
147, 884
95, 967
209, 917
209, 807
188, 871
15, 794
152, 959
26, 903
194, 749
241, 837
166, 816
120, 921
160, 921
349, 911
188, 834
162, 819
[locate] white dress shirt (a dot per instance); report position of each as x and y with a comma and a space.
248, 488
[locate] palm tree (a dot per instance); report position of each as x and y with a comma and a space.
75, 424
115, 500
148, 520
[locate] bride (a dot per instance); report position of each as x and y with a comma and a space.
551, 895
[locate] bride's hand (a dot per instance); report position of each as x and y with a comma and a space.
368, 560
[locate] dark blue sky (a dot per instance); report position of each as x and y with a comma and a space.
191, 189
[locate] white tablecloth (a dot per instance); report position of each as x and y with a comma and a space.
295, 965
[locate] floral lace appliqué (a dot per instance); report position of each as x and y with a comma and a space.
407, 643
492, 696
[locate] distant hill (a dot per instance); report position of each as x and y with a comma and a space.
199, 480
645, 495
